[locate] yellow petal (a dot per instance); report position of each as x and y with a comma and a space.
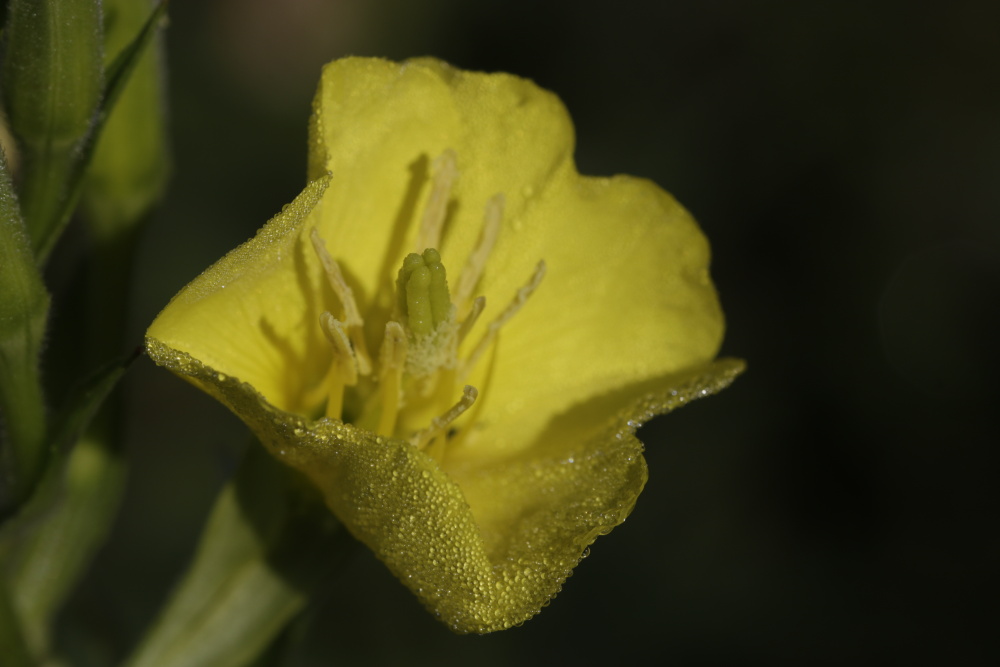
483, 548
626, 300
377, 126
627, 297
624, 326
254, 314
546, 504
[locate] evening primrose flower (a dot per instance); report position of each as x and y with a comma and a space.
454, 335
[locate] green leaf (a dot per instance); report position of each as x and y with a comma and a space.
12, 647
116, 77
45, 547
129, 169
269, 543
117, 74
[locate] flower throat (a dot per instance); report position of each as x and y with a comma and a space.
416, 387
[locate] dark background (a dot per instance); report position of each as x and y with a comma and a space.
834, 505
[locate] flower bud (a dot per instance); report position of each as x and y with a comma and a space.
52, 83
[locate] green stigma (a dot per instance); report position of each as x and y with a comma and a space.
422, 291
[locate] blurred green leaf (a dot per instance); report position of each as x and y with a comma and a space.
130, 164
269, 544
12, 647
24, 305
45, 547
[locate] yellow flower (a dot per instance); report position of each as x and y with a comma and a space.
469, 414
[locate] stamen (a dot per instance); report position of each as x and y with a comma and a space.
477, 309
491, 333
422, 438
444, 172
344, 366
392, 362
352, 321
476, 262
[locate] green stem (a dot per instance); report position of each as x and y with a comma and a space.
81, 498
22, 405
52, 82
47, 170
46, 553
24, 306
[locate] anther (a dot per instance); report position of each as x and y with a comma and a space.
344, 366
352, 322
509, 312
476, 263
422, 438
444, 173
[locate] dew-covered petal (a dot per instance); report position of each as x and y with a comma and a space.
378, 126
623, 326
626, 302
483, 548
546, 503
254, 314
626, 298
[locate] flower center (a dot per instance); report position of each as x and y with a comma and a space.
416, 388
425, 311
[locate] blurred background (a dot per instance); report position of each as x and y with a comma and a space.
836, 504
